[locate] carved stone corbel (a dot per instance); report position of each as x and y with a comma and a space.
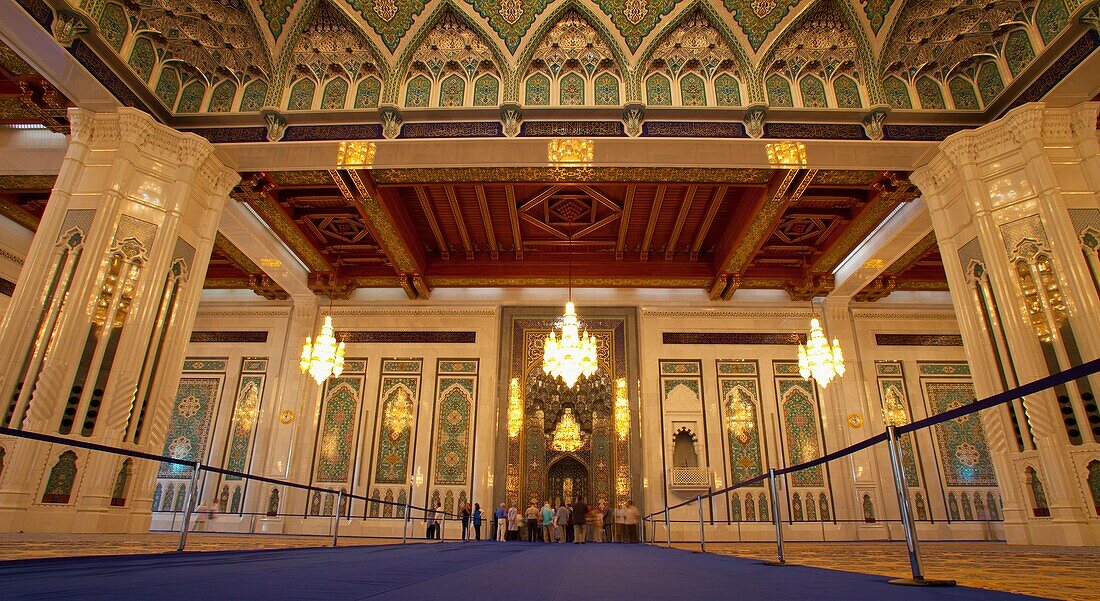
511, 117
633, 118
276, 123
67, 25
390, 118
874, 120
754, 120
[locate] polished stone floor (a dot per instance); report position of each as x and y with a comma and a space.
1071, 573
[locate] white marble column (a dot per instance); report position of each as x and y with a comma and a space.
1010, 202
102, 314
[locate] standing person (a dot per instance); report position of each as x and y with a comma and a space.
466, 522
513, 523
430, 520
620, 522
569, 523
608, 522
502, 522
594, 524
476, 519
547, 516
531, 516
561, 522
631, 522
580, 514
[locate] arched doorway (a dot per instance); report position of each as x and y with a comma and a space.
566, 480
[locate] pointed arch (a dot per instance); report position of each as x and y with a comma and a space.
191, 97
564, 10
446, 9
487, 90
537, 90
571, 90
607, 90
897, 93
221, 99
831, 53
59, 486
452, 90
658, 90
113, 25
693, 90
690, 17
812, 91
335, 95
368, 92
301, 95
298, 25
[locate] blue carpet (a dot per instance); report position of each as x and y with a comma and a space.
450, 572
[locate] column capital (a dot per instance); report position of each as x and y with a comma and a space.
108, 131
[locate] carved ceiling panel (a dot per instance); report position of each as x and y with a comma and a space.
264, 44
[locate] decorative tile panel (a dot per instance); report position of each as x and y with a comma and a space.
797, 400
679, 367
340, 415
746, 458
197, 364
246, 411
456, 398
943, 369
964, 451
399, 376
189, 423
891, 381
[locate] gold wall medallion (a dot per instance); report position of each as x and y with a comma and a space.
855, 420
287, 416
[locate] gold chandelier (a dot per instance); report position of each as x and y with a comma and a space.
573, 355
567, 434
323, 357
818, 359
741, 421
515, 409
622, 409
893, 410
399, 414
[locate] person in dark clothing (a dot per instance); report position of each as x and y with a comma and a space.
476, 518
466, 522
569, 524
580, 512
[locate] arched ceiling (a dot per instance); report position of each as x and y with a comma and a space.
236, 56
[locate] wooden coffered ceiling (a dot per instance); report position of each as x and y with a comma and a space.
27, 98
712, 229
920, 268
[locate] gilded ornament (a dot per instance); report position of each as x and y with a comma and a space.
855, 421
286, 416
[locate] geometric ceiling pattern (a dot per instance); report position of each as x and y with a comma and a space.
238, 56
718, 230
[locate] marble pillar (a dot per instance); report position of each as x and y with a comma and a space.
96, 331
1015, 205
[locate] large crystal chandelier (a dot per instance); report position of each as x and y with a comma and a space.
818, 359
574, 354
515, 409
740, 416
567, 434
622, 409
323, 357
399, 414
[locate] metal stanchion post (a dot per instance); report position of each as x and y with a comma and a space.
778, 522
907, 524
702, 535
191, 492
405, 523
336, 516
668, 529
443, 528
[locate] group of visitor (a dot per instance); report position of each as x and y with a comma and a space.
568, 523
